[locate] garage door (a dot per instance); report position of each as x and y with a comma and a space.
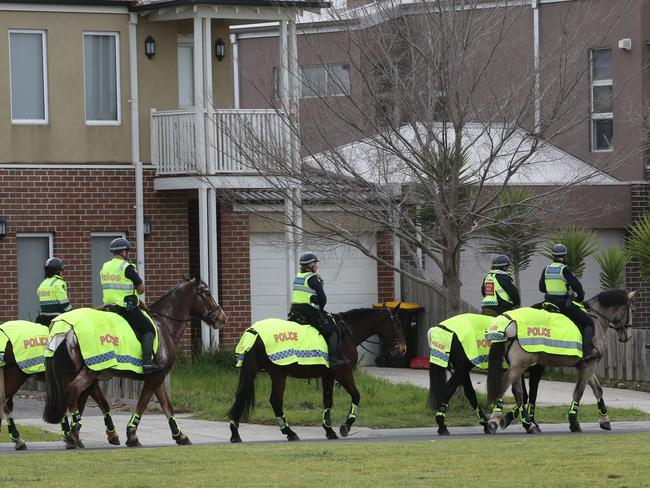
350, 277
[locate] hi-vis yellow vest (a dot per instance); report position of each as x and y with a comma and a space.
53, 297
115, 285
301, 291
493, 289
555, 281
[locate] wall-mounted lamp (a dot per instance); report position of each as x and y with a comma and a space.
149, 47
3, 227
146, 227
219, 49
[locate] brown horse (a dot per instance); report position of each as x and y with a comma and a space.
357, 326
68, 378
12, 378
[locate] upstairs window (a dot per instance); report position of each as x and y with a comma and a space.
102, 78
602, 91
28, 66
325, 80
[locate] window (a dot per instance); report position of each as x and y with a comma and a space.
602, 91
102, 78
319, 81
185, 71
32, 251
99, 254
28, 65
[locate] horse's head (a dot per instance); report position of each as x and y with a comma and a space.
204, 306
392, 332
615, 308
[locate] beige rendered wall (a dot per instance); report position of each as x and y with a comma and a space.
66, 138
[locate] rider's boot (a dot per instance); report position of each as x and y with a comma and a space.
590, 352
148, 365
333, 345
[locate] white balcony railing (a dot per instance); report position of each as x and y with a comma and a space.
235, 138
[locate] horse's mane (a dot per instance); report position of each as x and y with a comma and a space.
358, 313
169, 292
612, 298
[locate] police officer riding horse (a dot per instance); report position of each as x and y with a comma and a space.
121, 286
499, 291
52, 293
308, 307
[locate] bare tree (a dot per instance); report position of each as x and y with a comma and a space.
449, 106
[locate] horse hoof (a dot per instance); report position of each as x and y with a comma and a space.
575, 428
344, 430
486, 429
606, 426
507, 420
133, 443
183, 440
443, 430
80, 444
20, 445
330, 434
113, 438
235, 440
491, 427
293, 437
70, 442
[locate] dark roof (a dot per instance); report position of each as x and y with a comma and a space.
94, 3
257, 3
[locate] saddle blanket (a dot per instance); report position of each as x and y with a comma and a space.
539, 331
28, 341
285, 343
106, 339
470, 329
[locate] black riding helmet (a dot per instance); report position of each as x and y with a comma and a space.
308, 258
559, 250
53, 266
501, 262
119, 244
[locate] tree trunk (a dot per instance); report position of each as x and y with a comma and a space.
451, 265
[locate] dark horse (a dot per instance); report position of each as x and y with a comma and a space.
609, 309
357, 326
12, 378
68, 378
441, 390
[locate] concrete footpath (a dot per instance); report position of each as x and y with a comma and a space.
154, 430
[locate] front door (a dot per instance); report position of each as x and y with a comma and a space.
185, 71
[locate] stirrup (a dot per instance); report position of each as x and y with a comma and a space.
593, 355
150, 368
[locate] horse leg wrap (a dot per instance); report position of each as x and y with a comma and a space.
352, 416
65, 426
530, 408
108, 422
76, 420
601, 406
482, 418
573, 409
13, 431
234, 424
442, 411
282, 423
498, 407
173, 426
134, 421
327, 418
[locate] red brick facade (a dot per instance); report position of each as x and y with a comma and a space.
640, 194
385, 275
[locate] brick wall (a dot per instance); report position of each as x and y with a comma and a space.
73, 203
234, 271
385, 276
640, 196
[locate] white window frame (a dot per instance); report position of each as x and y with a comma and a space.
599, 115
328, 70
49, 235
46, 111
116, 37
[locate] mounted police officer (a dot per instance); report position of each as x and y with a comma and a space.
309, 300
499, 291
52, 292
556, 282
121, 286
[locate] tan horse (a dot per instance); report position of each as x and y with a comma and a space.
68, 378
613, 308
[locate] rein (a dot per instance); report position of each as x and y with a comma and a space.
609, 320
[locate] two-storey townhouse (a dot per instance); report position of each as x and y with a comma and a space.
613, 95
111, 113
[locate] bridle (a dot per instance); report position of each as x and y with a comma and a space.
210, 315
615, 325
394, 322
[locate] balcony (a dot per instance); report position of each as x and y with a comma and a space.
230, 146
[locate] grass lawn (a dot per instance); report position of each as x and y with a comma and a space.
207, 387
595, 461
29, 434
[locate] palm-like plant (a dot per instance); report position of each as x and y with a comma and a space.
638, 244
580, 244
612, 263
516, 231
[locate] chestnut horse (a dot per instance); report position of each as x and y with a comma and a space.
357, 326
68, 378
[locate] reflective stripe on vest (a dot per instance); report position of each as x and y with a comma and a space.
555, 281
493, 289
115, 285
302, 293
53, 297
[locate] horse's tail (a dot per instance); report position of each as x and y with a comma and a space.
437, 380
57, 369
495, 375
245, 396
